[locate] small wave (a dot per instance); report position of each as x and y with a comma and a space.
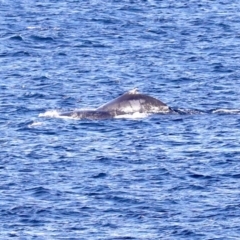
226, 111
34, 124
34, 27
41, 28
42, 38
21, 54
16, 37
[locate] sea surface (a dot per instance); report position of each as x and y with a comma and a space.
171, 176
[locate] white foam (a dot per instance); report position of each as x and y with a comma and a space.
136, 115
50, 113
55, 114
229, 111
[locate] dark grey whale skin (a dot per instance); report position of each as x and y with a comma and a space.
128, 103
88, 114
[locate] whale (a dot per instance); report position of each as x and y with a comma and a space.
128, 103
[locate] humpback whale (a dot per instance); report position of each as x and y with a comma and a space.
129, 103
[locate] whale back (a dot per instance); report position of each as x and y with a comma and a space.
133, 101
88, 114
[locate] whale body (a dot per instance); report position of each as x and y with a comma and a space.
128, 103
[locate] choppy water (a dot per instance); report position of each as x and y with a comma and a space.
157, 177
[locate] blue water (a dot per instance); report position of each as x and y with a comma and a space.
157, 177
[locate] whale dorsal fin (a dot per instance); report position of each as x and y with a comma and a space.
133, 91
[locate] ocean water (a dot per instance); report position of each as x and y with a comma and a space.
171, 176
